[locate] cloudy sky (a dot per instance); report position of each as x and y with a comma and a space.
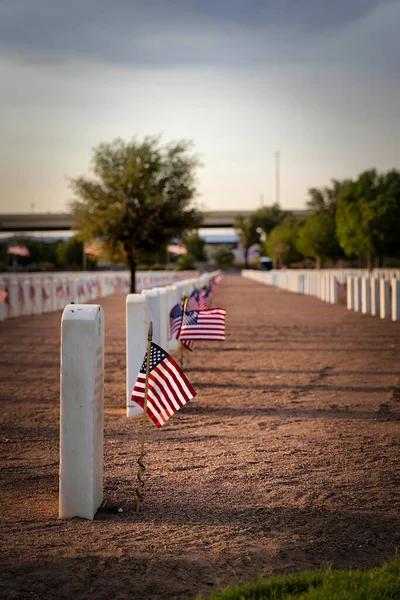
318, 80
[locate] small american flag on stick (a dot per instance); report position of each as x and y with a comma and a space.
205, 298
18, 250
168, 389
175, 319
203, 325
3, 295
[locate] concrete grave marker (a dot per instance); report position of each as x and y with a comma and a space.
82, 411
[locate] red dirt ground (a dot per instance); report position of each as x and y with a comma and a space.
286, 459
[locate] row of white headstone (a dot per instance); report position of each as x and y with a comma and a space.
38, 293
375, 296
375, 292
82, 385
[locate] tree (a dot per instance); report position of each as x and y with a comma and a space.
281, 245
268, 217
368, 216
317, 237
195, 245
139, 198
186, 262
70, 253
223, 256
247, 229
324, 200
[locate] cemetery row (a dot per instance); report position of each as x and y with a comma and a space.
39, 293
82, 384
376, 292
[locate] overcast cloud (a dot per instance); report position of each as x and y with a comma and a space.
317, 79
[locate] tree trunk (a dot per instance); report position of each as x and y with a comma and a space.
369, 261
318, 262
132, 269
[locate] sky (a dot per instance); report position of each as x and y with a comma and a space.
316, 80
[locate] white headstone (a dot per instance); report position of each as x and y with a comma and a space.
172, 300
365, 295
350, 293
82, 411
384, 298
334, 290
137, 324
154, 312
375, 297
164, 317
395, 299
357, 293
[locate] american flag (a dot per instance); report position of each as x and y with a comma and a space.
45, 295
203, 325
3, 295
188, 344
60, 291
168, 389
178, 249
32, 292
175, 319
193, 300
93, 248
205, 298
18, 250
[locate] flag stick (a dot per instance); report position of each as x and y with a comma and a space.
181, 353
139, 495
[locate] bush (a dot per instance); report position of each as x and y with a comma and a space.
223, 257
186, 262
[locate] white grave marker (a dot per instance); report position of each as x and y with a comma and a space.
82, 411
137, 324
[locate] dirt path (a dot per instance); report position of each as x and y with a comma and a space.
285, 460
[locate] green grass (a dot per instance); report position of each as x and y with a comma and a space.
382, 583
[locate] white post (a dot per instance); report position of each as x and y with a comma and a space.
137, 324
350, 293
384, 298
375, 304
395, 299
365, 295
82, 411
154, 312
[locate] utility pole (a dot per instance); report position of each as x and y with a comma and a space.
277, 177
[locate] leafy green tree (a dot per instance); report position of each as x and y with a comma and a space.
196, 246
248, 230
324, 200
138, 199
368, 216
281, 245
223, 256
268, 217
317, 238
70, 253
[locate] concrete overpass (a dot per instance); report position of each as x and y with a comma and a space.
28, 222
